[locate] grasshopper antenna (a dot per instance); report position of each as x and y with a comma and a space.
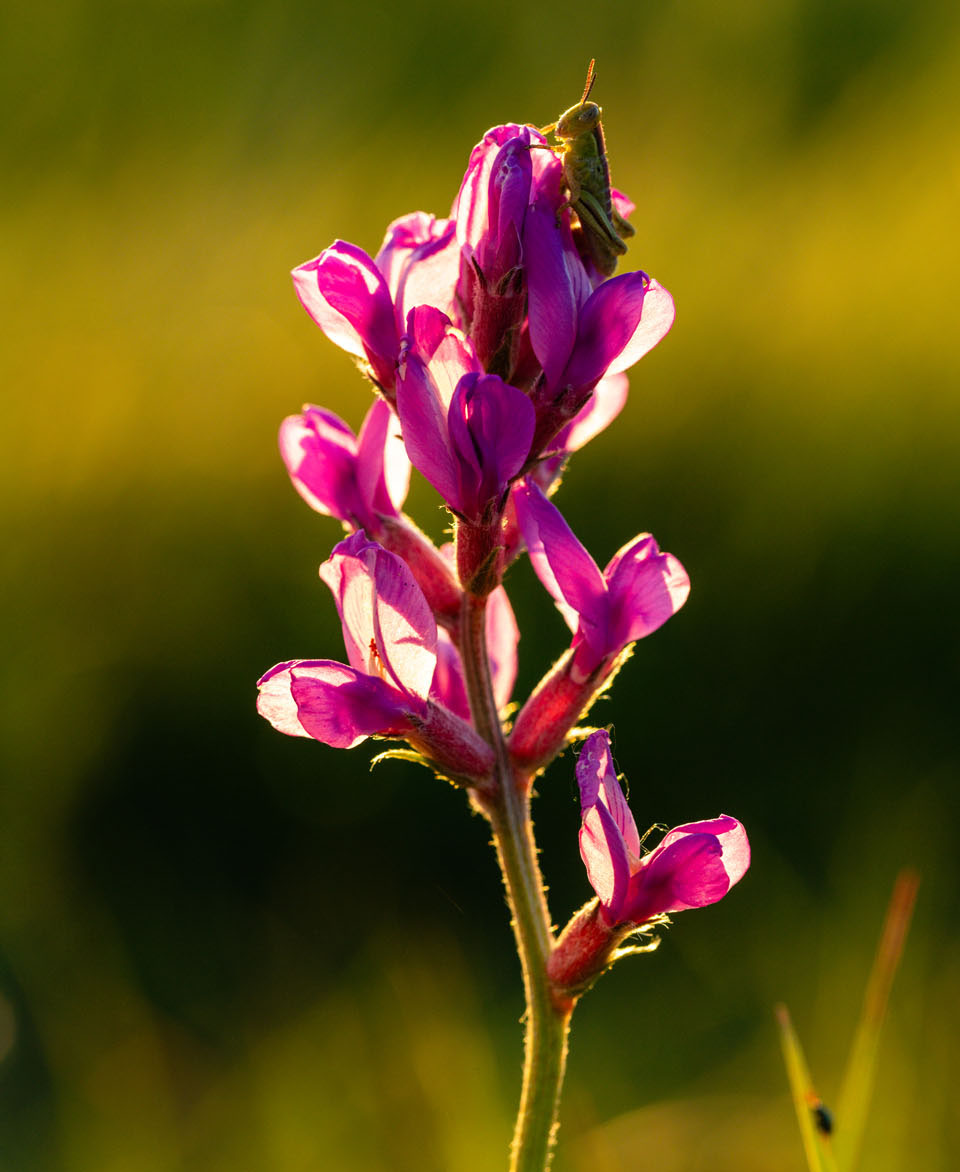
591, 78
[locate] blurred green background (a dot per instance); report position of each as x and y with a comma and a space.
224, 949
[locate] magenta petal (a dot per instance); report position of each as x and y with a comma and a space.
655, 322
431, 276
420, 260
601, 409
607, 322
493, 200
338, 329
472, 207
383, 467
401, 241
448, 687
623, 203
646, 588
330, 702
568, 572
435, 360
446, 352
557, 285
604, 855
491, 427
695, 865
388, 627
320, 453
509, 195
731, 836
423, 418
346, 295
686, 874
597, 780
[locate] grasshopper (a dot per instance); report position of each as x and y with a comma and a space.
587, 179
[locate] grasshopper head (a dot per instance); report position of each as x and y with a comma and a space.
579, 119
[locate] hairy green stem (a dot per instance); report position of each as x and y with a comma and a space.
547, 1022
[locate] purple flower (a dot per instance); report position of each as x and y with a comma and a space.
492, 203
356, 480
391, 639
638, 591
420, 261
361, 304
468, 432
696, 864
345, 294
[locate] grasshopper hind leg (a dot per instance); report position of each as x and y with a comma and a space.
623, 227
598, 234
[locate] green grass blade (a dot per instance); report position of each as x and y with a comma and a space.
857, 1086
817, 1147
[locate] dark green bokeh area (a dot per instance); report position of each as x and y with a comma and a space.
222, 949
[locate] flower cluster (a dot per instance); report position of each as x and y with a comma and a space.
495, 349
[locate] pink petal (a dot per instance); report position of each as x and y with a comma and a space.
320, 454
448, 687
330, 702
419, 259
431, 277
604, 855
388, 627
345, 294
597, 780
470, 209
694, 866
601, 409
401, 240
557, 284
423, 418
491, 426
623, 203
383, 467
655, 322
607, 323
567, 571
731, 836
446, 352
646, 588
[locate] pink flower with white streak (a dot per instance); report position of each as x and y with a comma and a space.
391, 639
637, 592
695, 865
355, 479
